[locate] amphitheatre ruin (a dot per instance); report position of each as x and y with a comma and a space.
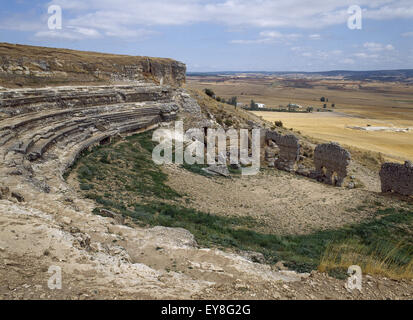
116, 238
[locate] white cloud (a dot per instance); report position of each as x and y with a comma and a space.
70, 33
20, 23
269, 37
347, 61
136, 18
279, 35
364, 55
257, 13
315, 36
377, 47
407, 34
256, 41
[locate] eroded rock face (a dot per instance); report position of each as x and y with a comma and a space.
289, 147
43, 131
330, 159
187, 103
397, 178
38, 66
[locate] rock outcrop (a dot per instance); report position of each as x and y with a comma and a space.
289, 147
397, 178
331, 159
22, 65
43, 131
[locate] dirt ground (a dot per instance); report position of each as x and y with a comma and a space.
101, 259
284, 203
157, 263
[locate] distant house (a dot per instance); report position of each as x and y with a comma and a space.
293, 106
260, 105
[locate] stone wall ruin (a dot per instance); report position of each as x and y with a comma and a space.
397, 178
331, 162
289, 147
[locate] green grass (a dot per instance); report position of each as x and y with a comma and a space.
116, 175
125, 168
196, 168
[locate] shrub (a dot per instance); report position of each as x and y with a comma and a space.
228, 122
209, 92
278, 124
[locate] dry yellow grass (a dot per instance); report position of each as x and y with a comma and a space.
371, 100
357, 103
334, 127
378, 262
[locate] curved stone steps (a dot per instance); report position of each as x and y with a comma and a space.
146, 123
36, 149
139, 124
40, 139
39, 149
74, 155
19, 102
15, 123
96, 114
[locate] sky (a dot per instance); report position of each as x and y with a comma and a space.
225, 35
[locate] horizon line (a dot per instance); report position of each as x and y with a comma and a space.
284, 71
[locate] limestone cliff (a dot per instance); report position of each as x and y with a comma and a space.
22, 65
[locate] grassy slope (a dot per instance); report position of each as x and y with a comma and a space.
122, 177
17, 50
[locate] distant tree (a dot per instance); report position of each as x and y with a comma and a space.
310, 109
325, 106
219, 99
333, 105
253, 105
210, 93
323, 99
233, 101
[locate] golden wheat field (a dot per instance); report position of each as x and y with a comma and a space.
334, 127
357, 104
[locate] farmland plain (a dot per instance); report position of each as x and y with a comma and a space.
356, 104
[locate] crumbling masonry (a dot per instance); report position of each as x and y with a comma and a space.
397, 178
289, 146
331, 159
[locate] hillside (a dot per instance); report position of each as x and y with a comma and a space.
80, 193
22, 65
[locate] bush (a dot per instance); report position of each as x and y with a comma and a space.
210, 93
278, 124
